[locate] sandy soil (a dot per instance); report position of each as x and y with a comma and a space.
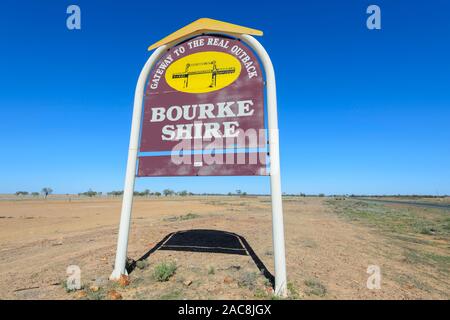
327, 256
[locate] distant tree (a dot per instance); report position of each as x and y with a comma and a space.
230, 193
244, 193
321, 195
183, 193
46, 191
238, 192
90, 193
168, 192
35, 194
21, 193
158, 194
144, 193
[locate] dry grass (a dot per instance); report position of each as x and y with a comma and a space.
329, 244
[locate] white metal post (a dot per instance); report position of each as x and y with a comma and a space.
275, 179
127, 201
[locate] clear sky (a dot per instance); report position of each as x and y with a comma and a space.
360, 111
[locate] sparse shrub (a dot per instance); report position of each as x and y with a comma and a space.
171, 219
171, 295
164, 271
428, 231
260, 293
446, 224
315, 287
189, 216
267, 282
293, 292
95, 293
211, 270
248, 280
141, 264
66, 287
412, 257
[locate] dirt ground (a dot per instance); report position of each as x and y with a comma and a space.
327, 253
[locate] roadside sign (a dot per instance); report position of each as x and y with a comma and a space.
199, 111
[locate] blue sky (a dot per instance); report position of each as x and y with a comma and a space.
360, 111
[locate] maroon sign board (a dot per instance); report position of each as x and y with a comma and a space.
203, 101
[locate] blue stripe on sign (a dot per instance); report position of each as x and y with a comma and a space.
209, 151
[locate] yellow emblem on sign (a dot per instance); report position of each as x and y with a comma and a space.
203, 72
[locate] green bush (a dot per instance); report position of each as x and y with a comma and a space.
248, 280
164, 271
211, 270
141, 264
315, 287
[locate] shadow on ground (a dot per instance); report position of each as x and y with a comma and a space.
203, 240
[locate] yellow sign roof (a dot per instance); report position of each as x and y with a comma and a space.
205, 25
